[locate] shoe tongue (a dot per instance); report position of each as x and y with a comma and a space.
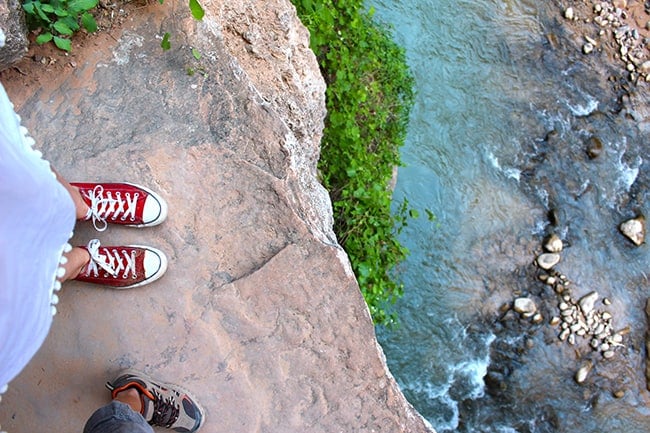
147, 408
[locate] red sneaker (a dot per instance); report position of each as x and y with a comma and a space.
122, 203
122, 267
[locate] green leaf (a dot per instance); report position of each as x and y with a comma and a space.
70, 22
62, 43
60, 12
29, 8
89, 23
413, 213
197, 10
76, 6
43, 38
62, 28
196, 54
47, 8
39, 11
165, 44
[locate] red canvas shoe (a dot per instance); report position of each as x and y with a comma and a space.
122, 203
122, 267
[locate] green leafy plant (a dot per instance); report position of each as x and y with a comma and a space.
369, 97
59, 19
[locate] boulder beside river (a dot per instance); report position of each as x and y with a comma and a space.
259, 314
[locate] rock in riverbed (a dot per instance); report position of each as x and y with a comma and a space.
634, 229
583, 371
547, 260
553, 244
525, 306
587, 303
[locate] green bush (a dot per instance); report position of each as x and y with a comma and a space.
369, 97
59, 19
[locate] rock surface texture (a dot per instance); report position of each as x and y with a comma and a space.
259, 314
13, 33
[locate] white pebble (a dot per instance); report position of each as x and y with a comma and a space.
564, 334
604, 347
568, 13
583, 371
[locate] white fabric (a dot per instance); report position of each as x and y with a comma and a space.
37, 217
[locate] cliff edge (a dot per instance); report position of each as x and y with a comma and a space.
259, 314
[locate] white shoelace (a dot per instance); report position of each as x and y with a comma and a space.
115, 261
103, 205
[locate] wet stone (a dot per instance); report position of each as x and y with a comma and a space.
548, 260
569, 14
594, 147
634, 229
583, 371
553, 244
525, 306
587, 302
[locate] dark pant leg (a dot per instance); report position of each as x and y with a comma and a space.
117, 417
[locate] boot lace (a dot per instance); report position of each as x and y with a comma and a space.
103, 205
114, 261
165, 410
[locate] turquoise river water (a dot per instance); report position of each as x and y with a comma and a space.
496, 143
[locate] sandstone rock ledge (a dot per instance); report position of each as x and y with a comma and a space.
259, 314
